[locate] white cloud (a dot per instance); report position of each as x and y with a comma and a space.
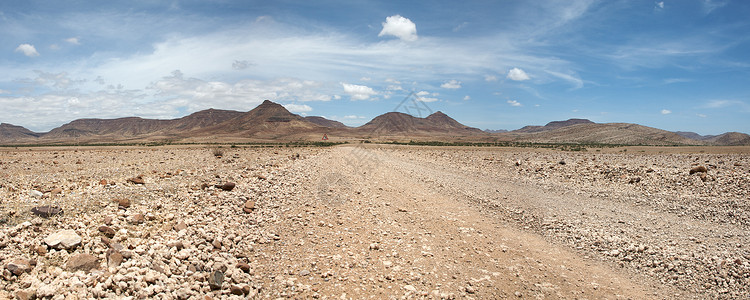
467, 98
399, 27
517, 75
27, 49
73, 40
4, 91
577, 82
298, 108
490, 78
423, 93
701, 115
353, 117
452, 84
358, 92
514, 103
365, 79
660, 5
241, 64
665, 111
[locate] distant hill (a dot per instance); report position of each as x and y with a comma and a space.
13, 133
609, 133
396, 123
325, 122
730, 139
270, 121
553, 125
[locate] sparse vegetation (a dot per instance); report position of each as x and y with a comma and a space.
217, 152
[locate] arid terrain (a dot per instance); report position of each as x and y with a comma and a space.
373, 221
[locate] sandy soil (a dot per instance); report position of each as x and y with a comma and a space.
354, 222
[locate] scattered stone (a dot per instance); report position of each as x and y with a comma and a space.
114, 258
108, 220
237, 290
137, 180
249, 206
123, 202
63, 239
56, 191
410, 288
634, 180
82, 262
698, 169
107, 231
46, 211
40, 250
36, 194
19, 266
226, 186
103, 182
562, 162
304, 273
137, 218
703, 177
215, 280
180, 226
244, 267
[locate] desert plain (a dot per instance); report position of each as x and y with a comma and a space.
362, 221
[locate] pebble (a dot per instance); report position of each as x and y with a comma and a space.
698, 169
249, 206
46, 211
18, 266
107, 231
63, 239
215, 280
137, 180
82, 262
226, 186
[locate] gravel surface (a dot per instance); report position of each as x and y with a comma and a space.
357, 222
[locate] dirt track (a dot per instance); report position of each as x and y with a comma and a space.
360, 222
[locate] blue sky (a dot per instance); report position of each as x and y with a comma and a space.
674, 65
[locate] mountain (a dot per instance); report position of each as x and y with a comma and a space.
608, 133
13, 133
396, 123
730, 139
553, 125
325, 122
693, 135
135, 128
267, 121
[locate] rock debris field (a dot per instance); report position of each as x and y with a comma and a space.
356, 222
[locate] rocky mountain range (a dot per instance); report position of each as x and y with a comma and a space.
272, 122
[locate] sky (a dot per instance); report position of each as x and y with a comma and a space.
675, 65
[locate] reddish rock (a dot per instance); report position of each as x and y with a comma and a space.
249, 206
698, 169
108, 220
103, 182
123, 203
226, 187
137, 219
107, 231
114, 258
244, 267
137, 180
18, 266
82, 262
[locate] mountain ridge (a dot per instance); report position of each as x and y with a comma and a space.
270, 121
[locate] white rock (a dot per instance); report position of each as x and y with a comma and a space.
64, 239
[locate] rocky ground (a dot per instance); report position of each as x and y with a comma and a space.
355, 222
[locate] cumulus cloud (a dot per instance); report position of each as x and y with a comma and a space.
452, 84
514, 103
423, 93
27, 49
467, 98
399, 27
73, 40
358, 92
665, 111
490, 78
659, 5
517, 75
298, 108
